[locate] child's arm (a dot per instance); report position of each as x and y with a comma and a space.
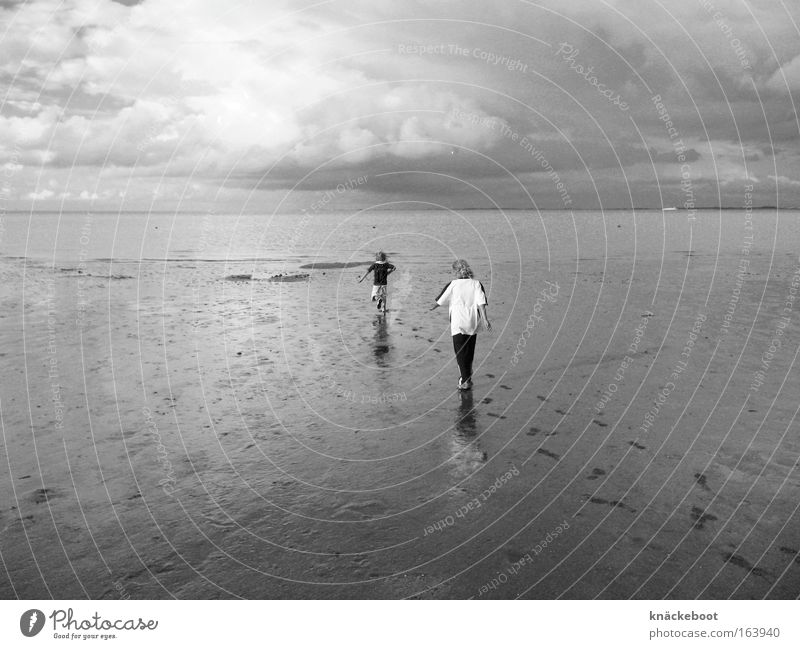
391, 269
365, 275
485, 316
440, 296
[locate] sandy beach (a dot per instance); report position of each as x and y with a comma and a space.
210, 407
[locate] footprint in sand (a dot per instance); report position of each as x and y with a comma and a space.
548, 453
637, 445
602, 424
505, 387
741, 562
560, 412
533, 431
491, 376
701, 481
700, 517
487, 400
596, 473
792, 551
42, 496
494, 414
541, 398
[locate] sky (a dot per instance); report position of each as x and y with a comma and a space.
341, 105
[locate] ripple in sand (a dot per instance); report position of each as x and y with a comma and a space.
611, 503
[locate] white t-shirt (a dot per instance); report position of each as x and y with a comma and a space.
463, 296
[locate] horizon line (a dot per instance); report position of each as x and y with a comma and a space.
431, 209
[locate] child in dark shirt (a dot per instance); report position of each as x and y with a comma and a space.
382, 269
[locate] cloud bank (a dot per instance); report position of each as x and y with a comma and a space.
140, 105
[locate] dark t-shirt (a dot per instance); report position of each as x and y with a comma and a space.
381, 272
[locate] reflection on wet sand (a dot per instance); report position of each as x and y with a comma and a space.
466, 454
466, 424
381, 342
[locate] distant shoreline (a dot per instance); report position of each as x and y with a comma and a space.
454, 209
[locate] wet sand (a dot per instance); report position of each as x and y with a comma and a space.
191, 429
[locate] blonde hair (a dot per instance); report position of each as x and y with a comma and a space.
462, 269
380, 256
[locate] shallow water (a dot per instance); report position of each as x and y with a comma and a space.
248, 438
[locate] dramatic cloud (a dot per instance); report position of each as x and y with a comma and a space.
125, 103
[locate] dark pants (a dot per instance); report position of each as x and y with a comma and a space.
464, 347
